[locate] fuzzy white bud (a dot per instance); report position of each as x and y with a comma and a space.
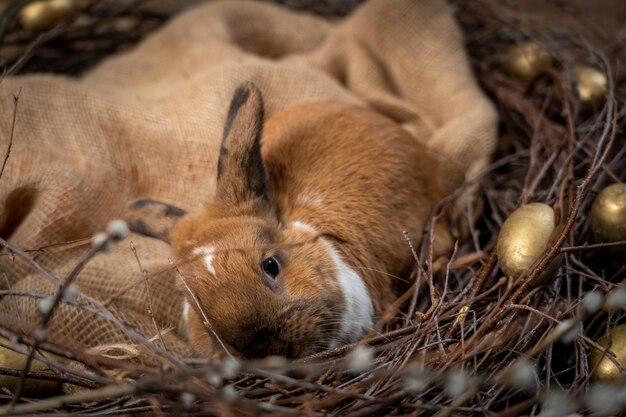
602, 399
621, 396
41, 335
556, 404
214, 379
117, 230
457, 383
415, 378
101, 240
522, 374
592, 302
360, 359
187, 399
230, 368
45, 305
70, 293
229, 393
616, 299
569, 330
570, 336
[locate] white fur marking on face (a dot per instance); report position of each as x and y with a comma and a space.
207, 251
307, 199
300, 225
186, 311
357, 317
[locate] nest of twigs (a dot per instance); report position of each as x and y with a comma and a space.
465, 339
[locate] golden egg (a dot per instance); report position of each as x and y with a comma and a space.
45, 14
608, 213
603, 368
524, 237
526, 61
33, 387
591, 86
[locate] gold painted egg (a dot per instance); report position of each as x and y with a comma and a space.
604, 369
524, 237
45, 14
526, 61
608, 213
33, 387
591, 86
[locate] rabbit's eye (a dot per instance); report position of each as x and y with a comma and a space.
271, 267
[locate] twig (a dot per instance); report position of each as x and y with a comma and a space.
144, 274
593, 246
205, 319
110, 391
41, 331
16, 99
48, 376
106, 314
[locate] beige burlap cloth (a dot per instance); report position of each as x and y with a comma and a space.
148, 123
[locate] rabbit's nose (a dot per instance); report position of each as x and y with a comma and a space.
263, 343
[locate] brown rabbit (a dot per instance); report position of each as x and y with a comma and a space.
301, 246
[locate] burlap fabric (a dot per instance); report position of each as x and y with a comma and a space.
148, 123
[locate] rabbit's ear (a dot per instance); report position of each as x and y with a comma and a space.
241, 173
152, 218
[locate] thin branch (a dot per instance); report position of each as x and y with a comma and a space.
16, 99
144, 274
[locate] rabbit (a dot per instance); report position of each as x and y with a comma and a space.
301, 248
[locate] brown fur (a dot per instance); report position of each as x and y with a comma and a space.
344, 170
162, 217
